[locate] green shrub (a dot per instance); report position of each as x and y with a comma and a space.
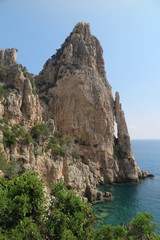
40, 131
110, 233
18, 131
66, 140
3, 92
8, 136
21, 197
54, 139
23, 215
142, 226
73, 217
28, 138
27, 229
57, 150
11, 135
3, 161
59, 144
9, 168
4, 121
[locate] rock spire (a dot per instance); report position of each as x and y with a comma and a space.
73, 97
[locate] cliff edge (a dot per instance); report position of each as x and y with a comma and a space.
73, 98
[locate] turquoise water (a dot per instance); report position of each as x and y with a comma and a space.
133, 198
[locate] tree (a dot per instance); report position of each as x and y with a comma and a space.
21, 197
24, 216
68, 216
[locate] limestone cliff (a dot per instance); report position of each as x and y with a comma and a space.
73, 97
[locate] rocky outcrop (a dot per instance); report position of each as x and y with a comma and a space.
20, 104
127, 163
80, 102
123, 135
73, 97
8, 56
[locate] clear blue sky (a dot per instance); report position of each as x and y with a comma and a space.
129, 32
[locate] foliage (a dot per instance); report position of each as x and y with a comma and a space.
37, 135
20, 197
57, 150
73, 217
8, 136
26, 229
3, 162
12, 134
142, 225
18, 131
3, 92
110, 233
4, 121
8, 168
59, 144
23, 215
28, 138
40, 131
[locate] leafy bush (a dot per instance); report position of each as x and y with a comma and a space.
8, 168
28, 138
66, 140
4, 120
26, 229
59, 144
40, 131
3, 92
73, 217
23, 215
110, 233
57, 150
20, 197
142, 226
3, 161
12, 134
8, 136
18, 131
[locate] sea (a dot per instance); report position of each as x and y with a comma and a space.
129, 199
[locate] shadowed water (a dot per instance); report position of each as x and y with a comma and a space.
133, 198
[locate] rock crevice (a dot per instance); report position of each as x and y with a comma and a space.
73, 97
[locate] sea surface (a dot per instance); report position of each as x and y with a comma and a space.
137, 197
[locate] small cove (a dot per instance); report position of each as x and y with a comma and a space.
133, 198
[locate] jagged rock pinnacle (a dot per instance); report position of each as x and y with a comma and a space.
80, 100
82, 28
80, 50
73, 97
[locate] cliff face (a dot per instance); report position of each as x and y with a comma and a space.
74, 98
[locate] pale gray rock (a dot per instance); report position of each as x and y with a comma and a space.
74, 97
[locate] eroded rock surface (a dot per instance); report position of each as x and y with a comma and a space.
73, 97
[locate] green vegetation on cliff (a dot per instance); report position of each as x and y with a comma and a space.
25, 214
